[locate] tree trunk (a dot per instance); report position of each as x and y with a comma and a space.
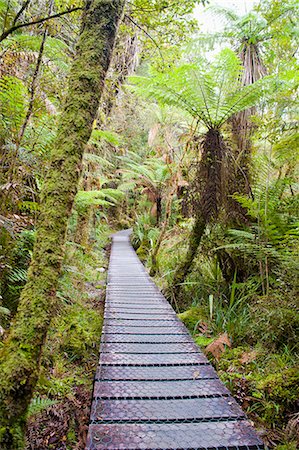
240, 182
155, 267
242, 130
185, 267
159, 210
20, 357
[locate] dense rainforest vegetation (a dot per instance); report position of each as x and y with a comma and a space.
121, 115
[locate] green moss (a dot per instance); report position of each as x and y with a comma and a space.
142, 252
269, 385
281, 387
203, 341
275, 322
289, 446
71, 437
80, 327
192, 317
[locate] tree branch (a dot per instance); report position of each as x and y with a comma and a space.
6, 33
146, 33
20, 12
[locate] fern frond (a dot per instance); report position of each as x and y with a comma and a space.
39, 404
104, 135
13, 102
18, 276
96, 159
209, 92
104, 197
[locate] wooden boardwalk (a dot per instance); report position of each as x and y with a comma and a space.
153, 388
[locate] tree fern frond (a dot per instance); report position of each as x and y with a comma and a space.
104, 197
223, 12
211, 93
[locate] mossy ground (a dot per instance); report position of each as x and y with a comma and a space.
264, 382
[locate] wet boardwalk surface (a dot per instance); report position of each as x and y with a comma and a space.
154, 389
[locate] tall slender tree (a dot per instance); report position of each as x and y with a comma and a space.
21, 353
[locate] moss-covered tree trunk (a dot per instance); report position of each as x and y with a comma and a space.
154, 256
20, 356
185, 267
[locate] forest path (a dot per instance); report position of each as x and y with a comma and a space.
153, 388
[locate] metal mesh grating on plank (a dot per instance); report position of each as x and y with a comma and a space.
153, 388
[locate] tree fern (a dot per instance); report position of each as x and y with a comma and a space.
104, 197
211, 93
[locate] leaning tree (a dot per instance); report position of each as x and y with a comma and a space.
211, 93
21, 353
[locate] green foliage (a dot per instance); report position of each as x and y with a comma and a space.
281, 389
39, 404
145, 235
151, 174
269, 382
104, 197
15, 275
18, 276
192, 317
78, 326
210, 92
13, 101
274, 321
104, 135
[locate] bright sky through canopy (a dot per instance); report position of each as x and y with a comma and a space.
208, 22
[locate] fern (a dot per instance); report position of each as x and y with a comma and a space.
13, 101
39, 404
104, 197
103, 135
25, 47
211, 93
18, 276
95, 159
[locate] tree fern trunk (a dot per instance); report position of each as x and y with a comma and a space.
20, 356
185, 267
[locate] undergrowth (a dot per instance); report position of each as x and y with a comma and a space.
251, 337
71, 352
59, 412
